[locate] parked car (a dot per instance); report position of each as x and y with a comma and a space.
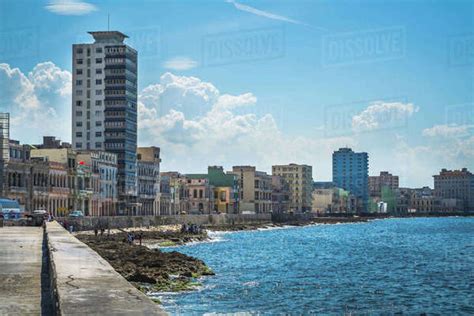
10, 209
76, 214
42, 213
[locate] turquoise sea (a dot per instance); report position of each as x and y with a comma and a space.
384, 267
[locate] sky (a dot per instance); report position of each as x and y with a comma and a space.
262, 82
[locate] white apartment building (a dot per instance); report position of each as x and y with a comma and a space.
104, 106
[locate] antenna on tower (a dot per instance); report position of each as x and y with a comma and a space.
108, 22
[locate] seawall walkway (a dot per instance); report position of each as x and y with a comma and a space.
20, 270
86, 284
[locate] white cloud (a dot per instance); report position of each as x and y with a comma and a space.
70, 7
16, 89
180, 63
189, 95
416, 164
265, 14
447, 130
443, 146
380, 115
218, 135
39, 103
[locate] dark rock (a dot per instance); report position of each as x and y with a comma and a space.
141, 265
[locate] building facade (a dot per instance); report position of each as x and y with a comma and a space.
385, 179
4, 147
455, 187
350, 171
174, 195
255, 189
102, 168
37, 182
300, 180
422, 200
226, 190
200, 195
280, 195
148, 167
104, 106
78, 199
322, 201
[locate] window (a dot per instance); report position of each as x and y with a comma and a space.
195, 193
98, 123
79, 92
98, 60
98, 50
98, 102
97, 113
98, 92
200, 194
78, 113
98, 145
79, 61
98, 81
78, 82
78, 103
78, 71
78, 145
78, 124
79, 50
98, 134
78, 134
98, 71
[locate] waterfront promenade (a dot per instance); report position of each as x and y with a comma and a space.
20, 270
56, 274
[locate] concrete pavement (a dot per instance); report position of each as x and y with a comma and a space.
20, 270
87, 284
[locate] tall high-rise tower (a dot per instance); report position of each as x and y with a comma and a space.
350, 171
104, 105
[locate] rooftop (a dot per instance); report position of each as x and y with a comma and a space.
108, 36
454, 173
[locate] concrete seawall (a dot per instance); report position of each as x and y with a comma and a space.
20, 270
86, 284
89, 223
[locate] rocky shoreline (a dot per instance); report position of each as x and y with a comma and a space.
321, 220
151, 270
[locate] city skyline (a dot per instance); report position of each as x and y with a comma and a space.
205, 112
236, 157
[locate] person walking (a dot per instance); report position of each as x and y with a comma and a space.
139, 236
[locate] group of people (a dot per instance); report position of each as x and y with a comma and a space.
102, 230
191, 229
131, 238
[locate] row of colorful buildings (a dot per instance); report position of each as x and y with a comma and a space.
52, 176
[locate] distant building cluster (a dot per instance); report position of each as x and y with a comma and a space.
104, 173
453, 192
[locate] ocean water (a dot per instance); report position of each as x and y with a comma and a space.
388, 267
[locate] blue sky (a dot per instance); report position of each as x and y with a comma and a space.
294, 81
